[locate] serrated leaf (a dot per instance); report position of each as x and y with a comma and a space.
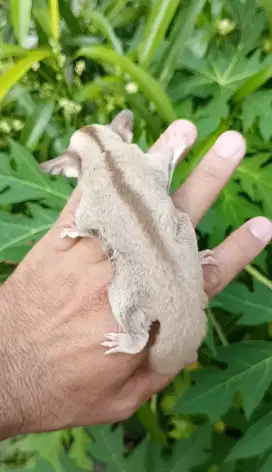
267, 465
14, 73
233, 208
46, 446
255, 307
27, 182
186, 453
19, 232
249, 371
256, 440
108, 448
78, 449
257, 180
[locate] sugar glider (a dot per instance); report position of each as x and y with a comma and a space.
152, 246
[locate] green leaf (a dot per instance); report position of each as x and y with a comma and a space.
268, 8
148, 84
255, 307
253, 83
256, 440
187, 453
182, 30
267, 465
159, 19
249, 371
37, 123
256, 180
108, 448
78, 449
11, 50
20, 17
45, 446
70, 19
54, 19
14, 74
27, 182
150, 421
18, 232
101, 23
96, 89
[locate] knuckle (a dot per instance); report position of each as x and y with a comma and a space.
210, 173
213, 277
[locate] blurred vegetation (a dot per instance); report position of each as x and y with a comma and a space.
69, 63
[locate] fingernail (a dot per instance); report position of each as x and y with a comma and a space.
230, 145
182, 130
261, 228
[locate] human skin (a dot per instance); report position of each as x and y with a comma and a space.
54, 311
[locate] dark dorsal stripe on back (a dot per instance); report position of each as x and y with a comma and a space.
124, 191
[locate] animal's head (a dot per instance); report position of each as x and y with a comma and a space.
71, 161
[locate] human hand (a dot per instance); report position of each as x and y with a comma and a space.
54, 311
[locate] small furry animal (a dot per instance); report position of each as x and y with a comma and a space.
152, 246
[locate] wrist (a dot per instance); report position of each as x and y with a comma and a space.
11, 413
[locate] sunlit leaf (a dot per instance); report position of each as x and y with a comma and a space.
14, 74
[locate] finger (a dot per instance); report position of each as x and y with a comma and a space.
140, 388
238, 250
206, 181
178, 132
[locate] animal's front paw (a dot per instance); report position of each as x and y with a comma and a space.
122, 342
73, 233
207, 257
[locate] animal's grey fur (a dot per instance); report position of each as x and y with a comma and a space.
157, 272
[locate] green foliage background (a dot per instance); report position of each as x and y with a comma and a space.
65, 64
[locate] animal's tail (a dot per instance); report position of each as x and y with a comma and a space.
175, 348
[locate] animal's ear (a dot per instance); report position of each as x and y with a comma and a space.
123, 125
69, 164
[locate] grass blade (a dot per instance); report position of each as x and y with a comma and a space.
36, 124
149, 86
160, 17
11, 50
54, 19
70, 19
181, 32
103, 25
96, 88
20, 19
14, 74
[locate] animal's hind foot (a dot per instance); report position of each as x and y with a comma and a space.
123, 342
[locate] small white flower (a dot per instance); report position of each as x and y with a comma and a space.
80, 67
17, 125
225, 26
35, 66
61, 60
5, 127
131, 87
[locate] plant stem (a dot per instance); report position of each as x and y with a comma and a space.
218, 328
258, 276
